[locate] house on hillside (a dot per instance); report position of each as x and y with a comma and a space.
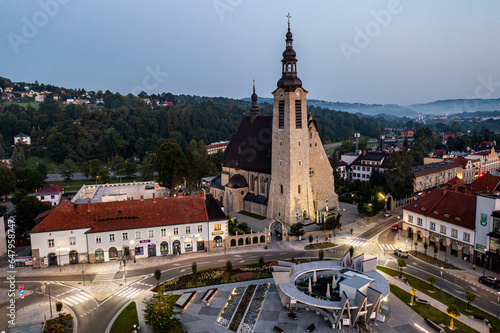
21, 137
51, 195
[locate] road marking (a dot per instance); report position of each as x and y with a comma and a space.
104, 277
182, 270
221, 260
268, 255
241, 261
129, 292
203, 262
283, 253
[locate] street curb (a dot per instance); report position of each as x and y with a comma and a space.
108, 328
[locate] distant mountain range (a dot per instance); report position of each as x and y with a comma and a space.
442, 107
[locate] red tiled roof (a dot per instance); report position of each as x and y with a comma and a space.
428, 169
50, 190
486, 183
120, 215
439, 152
454, 181
452, 207
482, 153
461, 160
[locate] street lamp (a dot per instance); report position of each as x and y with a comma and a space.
132, 242
59, 258
46, 284
125, 270
170, 247
83, 275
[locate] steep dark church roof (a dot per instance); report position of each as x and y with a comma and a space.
237, 181
250, 147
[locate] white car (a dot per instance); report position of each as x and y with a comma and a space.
400, 253
387, 214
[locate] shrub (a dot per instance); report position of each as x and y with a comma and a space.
321, 255
261, 262
229, 266
194, 268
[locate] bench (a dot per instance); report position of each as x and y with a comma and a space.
479, 317
185, 298
422, 301
292, 315
276, 329
208, 295
434, 325
311, 328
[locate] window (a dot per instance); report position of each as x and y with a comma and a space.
281, 115
281, 163
188, 230
298, 114
466, 237
111, 237
151, 233
138, 235
410, 218
72, 241
217, 226
176, 231
51, 243
200, 228
299, 189
43, 197
300, 163
454, 233
98, 239
419, 221
139, 250
281, 143
433, 226
311, 172
125, 236
52, 197
281, 186
443, 229
163, 232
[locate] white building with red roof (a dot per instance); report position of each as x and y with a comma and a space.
488, 160
443, 218
97, 232
51, 195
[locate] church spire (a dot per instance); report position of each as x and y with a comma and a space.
254, 109
289, 80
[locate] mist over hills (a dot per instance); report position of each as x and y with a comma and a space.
441, 107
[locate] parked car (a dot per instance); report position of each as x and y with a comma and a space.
388, 214
149, 187
395, 227
400, 253
490, 281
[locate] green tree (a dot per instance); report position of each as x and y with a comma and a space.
454, 313
346, 147
171, 164
18, 160
118, 166
148, 166
59, 306
67, 168
95, 166
436, 250
130, 169
470, 296
159, 312
261, 262
311, 238
114, 141
194, 268
29, 179
297, 229
85, 168
7, 180
432, 279
229, 266
426, 245
157, 275
401, 264
321, 255
400, 178
103, 175
26, 211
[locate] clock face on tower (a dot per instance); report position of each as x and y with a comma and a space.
281, 95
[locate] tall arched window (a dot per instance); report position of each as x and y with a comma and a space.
299, 189
281, 189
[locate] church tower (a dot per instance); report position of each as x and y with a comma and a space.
290, 196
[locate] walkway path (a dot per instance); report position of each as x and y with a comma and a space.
475, 324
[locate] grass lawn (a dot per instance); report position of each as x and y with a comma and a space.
52, 167
75, 185
255, 216
125, 321
443, 297
34, 105
427, 311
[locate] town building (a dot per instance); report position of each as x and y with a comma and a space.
5, 161
215, 147
118, 192
487, 241
488, 160
276, 166
97, 232
443, 218
51, 195
363, 166
485, 184
21, 137
39, 98
432, 175
470, 168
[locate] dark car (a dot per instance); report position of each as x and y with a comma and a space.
395, 227
490, 281
388, 214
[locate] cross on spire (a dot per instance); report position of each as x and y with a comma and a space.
289, 17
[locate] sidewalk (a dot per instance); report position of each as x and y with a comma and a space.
475, 324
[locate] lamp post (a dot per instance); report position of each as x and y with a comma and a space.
125, 270
59, 258
132, 242
170, 247
83, 275
46, 284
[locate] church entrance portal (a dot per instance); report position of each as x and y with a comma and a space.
276, 229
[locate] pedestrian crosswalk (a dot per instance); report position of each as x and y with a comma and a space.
357, 242
104, 277
129, 292
77, 298
388, 247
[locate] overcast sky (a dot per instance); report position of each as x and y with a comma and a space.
370, 51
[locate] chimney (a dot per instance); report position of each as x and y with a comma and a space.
88, 206
142, 198
165, 195
204, 195
154, 198
180, 194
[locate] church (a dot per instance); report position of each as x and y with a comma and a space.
276, 166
